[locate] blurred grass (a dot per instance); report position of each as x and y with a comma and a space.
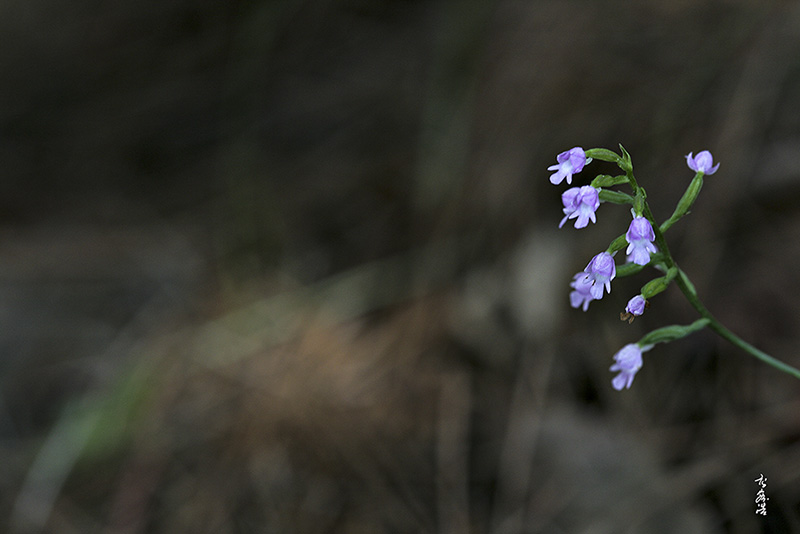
294, 267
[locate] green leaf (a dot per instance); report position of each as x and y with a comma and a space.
615, 197
606, 180
628, 269
672, 332
618, 244
657, 285
625, 162
686, 201
603, 154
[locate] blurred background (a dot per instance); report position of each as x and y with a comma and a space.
294, 266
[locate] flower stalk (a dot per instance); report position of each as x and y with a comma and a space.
645, 246
684, 283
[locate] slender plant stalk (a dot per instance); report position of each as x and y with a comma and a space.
688, 290
723, 332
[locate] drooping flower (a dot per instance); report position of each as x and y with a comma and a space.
569, 162
635, 308
636, 305
628, 361
600, 271
640, 237
580, 203
703, 162
581, 296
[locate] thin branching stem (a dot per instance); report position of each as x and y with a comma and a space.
686, 287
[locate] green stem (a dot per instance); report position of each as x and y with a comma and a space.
723, 332
688, 290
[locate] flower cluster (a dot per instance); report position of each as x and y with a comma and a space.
581, 204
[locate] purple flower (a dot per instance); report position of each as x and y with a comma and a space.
580, 202
581, 296
635, 308
627, 361
569, 163
601, 270
640, 239
636, 305
703, 162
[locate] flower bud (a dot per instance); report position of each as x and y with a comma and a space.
635, 308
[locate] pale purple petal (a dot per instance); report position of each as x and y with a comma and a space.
622, 380
636, 305
581, 296
640, 237
703, 162
580, 203
628, 361
601, 270
570, 162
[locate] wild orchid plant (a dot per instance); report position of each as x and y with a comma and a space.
644, 246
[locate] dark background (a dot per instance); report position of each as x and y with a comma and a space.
293, 266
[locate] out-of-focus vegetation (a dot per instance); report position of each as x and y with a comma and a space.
294, 266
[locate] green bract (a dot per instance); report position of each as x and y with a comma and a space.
657, 285
666, 334
686, 201
606, 180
